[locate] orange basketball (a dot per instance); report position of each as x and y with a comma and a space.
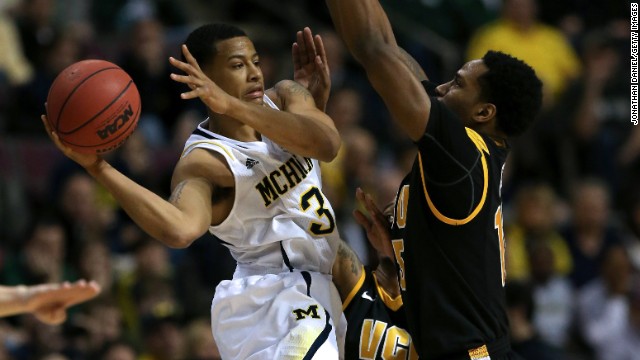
93, 106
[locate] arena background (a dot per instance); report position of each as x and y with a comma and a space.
571, 187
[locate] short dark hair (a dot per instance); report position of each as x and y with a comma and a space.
514, 88
203, 40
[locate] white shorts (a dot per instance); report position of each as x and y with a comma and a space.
292, 315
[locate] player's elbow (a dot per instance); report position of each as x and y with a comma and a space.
179, 239
331, 149
328, 150
368, 52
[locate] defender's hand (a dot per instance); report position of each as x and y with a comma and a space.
376, 226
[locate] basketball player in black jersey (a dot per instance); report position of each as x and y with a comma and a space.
447, 233
377, 324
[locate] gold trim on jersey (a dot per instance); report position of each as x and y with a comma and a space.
391, 302
482, 147
212, 142
355, 289
479, 353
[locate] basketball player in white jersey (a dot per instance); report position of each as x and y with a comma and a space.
250, 175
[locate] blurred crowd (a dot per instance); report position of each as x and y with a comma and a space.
571, 185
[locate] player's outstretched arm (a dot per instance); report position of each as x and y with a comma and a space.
367, 33
301, 127
177, 222
48, 302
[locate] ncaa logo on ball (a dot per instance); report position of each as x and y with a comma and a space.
120, 120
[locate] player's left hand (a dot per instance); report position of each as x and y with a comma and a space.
376, 225
200, 84
310, 67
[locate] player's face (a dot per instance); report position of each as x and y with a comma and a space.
462, 94
236, 69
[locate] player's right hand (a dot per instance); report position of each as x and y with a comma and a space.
85, 160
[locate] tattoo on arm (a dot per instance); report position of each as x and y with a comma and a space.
177, 192
347, 255
294, 89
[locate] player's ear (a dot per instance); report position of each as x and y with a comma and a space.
485, 112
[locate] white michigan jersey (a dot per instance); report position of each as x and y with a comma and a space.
280, 218
280, 224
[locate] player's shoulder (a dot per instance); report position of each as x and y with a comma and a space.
204, 163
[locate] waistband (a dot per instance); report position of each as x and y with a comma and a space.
496, 349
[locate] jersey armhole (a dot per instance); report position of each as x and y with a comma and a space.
482, 149
219, 147
355, 289
388, 300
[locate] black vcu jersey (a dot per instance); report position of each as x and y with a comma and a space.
376, 324
448, 242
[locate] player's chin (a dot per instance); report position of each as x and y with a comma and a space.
254, 100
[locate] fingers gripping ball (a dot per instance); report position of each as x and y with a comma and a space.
93, 106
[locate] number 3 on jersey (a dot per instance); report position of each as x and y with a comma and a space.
305, 202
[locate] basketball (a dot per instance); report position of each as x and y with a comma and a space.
93, 106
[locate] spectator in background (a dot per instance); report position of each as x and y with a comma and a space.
15, 68
609, 308
595, 114
345, 107
632, 222
95, 262
35, 20
145, 60
197, 273
85, 214
590, 233
42, 258
118, 350
524, 339
519, 33
163, 339
148, 289
98, 324
535, 224
553, 297
200, 343
61, 51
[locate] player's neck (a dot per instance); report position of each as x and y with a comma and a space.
232, 128
490, 129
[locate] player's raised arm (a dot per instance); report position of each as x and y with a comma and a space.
367, 33
301, 127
